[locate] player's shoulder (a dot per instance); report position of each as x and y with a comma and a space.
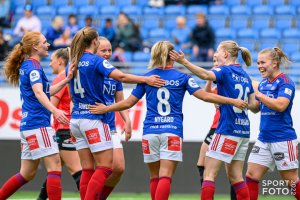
31, 64
285, 79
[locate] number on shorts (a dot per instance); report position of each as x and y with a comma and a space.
163, 101
240, 96
78, 89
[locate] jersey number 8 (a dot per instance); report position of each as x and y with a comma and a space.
163, 100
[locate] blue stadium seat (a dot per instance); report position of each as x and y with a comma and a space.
142, 3
290, 46
174, 10
19, 2
144, 34
122, 3
276, 2
150, 23
46, 22
37, 3
100, 3
132, 11
194, 9
294, 2
260, 22
66, 10
238, 21
270, 33
140, 56
109, 10
268, 43
225, 33
57, 3
247, 33
216, 21
87, 10
283, 22
152, 11
285, 10
158, 34
128, 56
232, 2
291, 33
254, 2
218, 10
19, 10
262, 10
240, 10
45, 11
295, 57
169, 23
250, 44
79, 3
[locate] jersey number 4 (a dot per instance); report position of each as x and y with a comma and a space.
78, 89
243, 95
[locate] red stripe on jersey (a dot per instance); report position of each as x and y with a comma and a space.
284, 77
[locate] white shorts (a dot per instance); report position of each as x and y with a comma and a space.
227, 148
282, 154
116, 138
166, 146
38, 143
92, 134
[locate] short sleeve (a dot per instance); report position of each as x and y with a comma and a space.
286, 90
35, 76
104, 67
191, 85
139, 91
219, 74
119, 86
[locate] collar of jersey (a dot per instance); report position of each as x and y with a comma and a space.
275, 78
167, 67
33, 59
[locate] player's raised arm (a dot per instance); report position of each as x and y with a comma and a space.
198, 71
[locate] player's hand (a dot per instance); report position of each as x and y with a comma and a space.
99, 108
61, 116
70, 72
155, 81
127, 130
240, 104
178, 57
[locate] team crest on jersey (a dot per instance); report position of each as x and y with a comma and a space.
107, 65
236, 77
193, 83
288, 91
34, 75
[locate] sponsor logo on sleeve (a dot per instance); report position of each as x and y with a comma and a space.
34, 75
288, 91
107, 64
192, 83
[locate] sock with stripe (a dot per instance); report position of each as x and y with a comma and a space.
97, 182
53, 185
86, 175
11, 186
76, 177
297, 194
253, 187
241, 191
163, 188
208, 190
43, 193
153, 186
201, 172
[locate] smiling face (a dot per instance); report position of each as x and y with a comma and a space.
42, 47
104, 49
54, 64
266, 66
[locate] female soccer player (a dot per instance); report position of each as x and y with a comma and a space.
62, 100
93, 139
277, 143
37, 137
113, 92
230, 143
210, 134
163, 131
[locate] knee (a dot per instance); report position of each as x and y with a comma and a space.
210, 174
28, 175
118, 170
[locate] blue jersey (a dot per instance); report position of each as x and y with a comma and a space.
34, 114
110, 88
232, 81
277, 126
164, 105
87, 87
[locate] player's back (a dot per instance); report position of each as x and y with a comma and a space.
164, 105
87, 87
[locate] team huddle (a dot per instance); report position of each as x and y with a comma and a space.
87, 92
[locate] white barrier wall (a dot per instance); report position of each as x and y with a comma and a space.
198, 116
